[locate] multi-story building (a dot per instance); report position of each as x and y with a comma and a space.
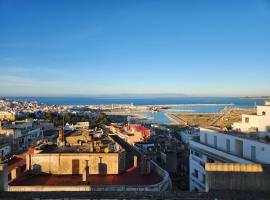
218, 147
20, 134
247, 144
259, 123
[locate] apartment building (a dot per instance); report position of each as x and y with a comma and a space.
217, 147
21, 134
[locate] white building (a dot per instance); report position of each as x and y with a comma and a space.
82, 125
189, 134
217, 147
29, 137
22, 134
256, 123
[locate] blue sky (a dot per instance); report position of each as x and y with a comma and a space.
192, 47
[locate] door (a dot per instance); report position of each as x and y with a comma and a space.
239, 148
75, 167
253, 153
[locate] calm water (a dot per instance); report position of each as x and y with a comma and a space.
158, 117
140, 101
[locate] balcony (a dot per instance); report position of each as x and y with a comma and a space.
198, 182
197, 160
218, 154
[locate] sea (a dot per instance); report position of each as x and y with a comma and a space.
180, 104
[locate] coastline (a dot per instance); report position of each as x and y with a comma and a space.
175, 119
195, 104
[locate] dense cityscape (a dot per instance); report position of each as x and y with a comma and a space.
134, 99
80, 148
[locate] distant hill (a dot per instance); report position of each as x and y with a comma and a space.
257, 97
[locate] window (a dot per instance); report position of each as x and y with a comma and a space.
247, 120
263, 113
253, 153
215, 141
205, 138
239, 148
228, 145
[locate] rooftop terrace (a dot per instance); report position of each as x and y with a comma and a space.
131, 177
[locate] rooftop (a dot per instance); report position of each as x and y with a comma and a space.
68, 149
131, 177
16, 161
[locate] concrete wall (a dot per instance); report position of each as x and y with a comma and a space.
99, 163
242, 181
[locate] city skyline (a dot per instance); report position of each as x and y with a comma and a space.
92, 48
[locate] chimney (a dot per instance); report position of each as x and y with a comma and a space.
85, 175
60, 137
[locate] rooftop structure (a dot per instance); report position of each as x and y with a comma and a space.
259, 123
132, 133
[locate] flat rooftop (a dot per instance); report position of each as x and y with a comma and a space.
131, 177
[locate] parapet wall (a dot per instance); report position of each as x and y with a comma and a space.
72, 163
240, 181
164, 185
